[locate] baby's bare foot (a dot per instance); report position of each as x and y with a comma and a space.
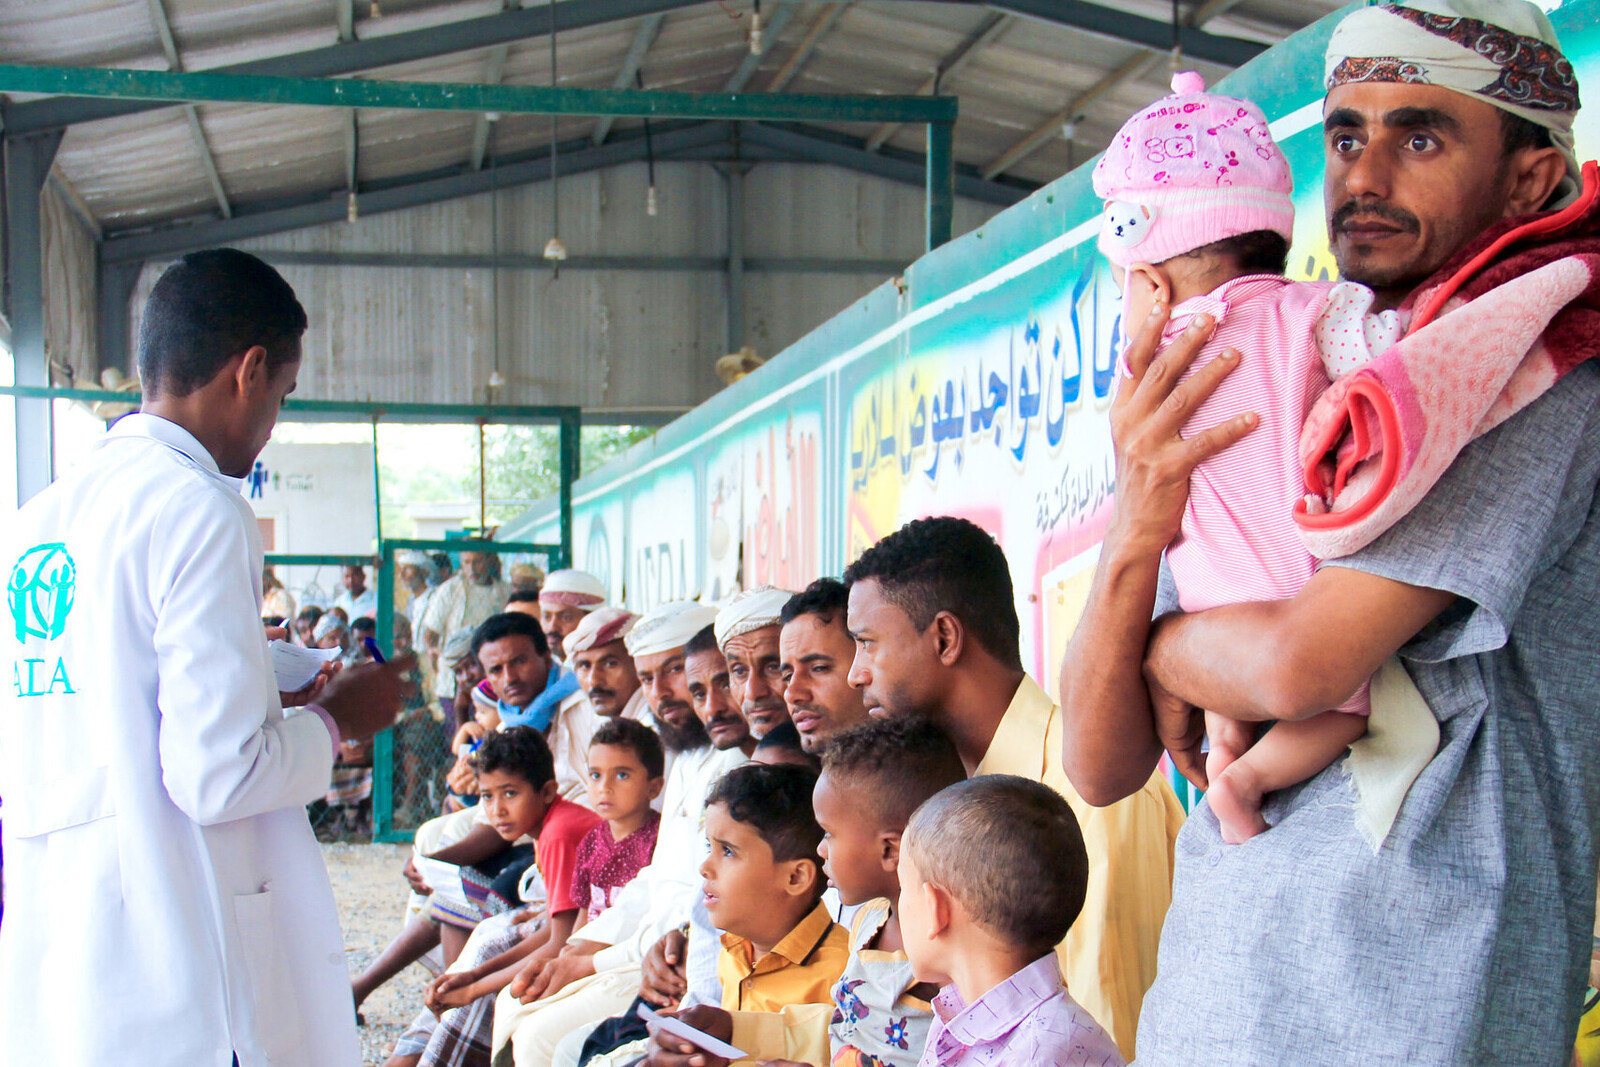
1236, 803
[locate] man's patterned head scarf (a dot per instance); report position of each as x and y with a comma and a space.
1503, 52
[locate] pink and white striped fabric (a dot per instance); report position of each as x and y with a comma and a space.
1239, 541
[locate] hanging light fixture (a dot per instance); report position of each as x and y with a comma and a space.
651, 203
554, 250
374, 10
351, 215
755, 29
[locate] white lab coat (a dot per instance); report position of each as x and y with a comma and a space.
165, 902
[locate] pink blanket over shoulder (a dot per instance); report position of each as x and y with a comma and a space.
1492, 330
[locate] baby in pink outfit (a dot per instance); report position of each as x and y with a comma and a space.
1198, 214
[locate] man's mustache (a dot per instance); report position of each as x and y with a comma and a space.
1374, 209
598, 692
673, 705
766, 704
726, 720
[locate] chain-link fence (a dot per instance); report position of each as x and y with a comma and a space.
412, 763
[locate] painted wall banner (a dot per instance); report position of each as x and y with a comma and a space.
977, 385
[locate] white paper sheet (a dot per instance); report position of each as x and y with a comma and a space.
296, 667
698, 1038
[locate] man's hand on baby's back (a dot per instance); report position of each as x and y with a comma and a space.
1153, 460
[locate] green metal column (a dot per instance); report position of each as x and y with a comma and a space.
571, 461
383, 744
941, 182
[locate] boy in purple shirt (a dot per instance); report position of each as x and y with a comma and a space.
992, 873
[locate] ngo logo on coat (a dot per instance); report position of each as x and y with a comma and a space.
40, 593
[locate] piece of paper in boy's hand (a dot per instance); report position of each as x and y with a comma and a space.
697, 1038
297, 667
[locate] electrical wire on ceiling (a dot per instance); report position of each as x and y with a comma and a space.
651, 204
554, 250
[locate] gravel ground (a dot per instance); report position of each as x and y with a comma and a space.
371, 897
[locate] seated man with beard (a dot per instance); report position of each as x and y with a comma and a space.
599, 973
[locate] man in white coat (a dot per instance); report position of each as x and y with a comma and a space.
166, 902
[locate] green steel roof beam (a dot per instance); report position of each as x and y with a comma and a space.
369, 53
446, 96
343, 410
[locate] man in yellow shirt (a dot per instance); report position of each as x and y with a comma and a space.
937, 634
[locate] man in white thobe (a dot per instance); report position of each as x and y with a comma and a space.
166, 902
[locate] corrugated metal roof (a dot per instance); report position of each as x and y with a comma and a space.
145, 170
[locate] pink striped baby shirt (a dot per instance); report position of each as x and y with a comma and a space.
1238, 540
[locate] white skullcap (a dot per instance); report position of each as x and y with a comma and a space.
412, 557
572, 589
327, 624
751, 610
599, 628
668, 627
457, 647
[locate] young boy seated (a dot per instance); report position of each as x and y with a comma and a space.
992, 873
626, 765
517, 792
874, 775
763, 889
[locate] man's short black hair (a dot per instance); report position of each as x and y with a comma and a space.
1009, 849
1517, 133
625, 733
1256, 252
364, 625
826, 598
510, 624
704, 641
523, 596
206, 309
309, 615
785, 738
518, 750
775, 799
893, 763
947, 564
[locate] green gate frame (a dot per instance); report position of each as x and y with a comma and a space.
383, 828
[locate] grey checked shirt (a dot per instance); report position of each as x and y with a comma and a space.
1466, 939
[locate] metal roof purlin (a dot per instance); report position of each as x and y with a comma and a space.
134, 247
643, 38
369, 53
1136, 29
447, 96
792, 143
991, 27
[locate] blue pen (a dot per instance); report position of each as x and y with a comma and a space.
372, 649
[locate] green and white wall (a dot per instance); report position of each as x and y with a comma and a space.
976, 385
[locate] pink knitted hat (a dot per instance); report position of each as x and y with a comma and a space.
1190, 169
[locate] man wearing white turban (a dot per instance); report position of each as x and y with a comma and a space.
747, 633
1466, 938
599, 974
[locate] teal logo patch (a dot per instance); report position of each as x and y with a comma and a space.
41, 591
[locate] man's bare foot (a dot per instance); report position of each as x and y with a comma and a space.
1235, 800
